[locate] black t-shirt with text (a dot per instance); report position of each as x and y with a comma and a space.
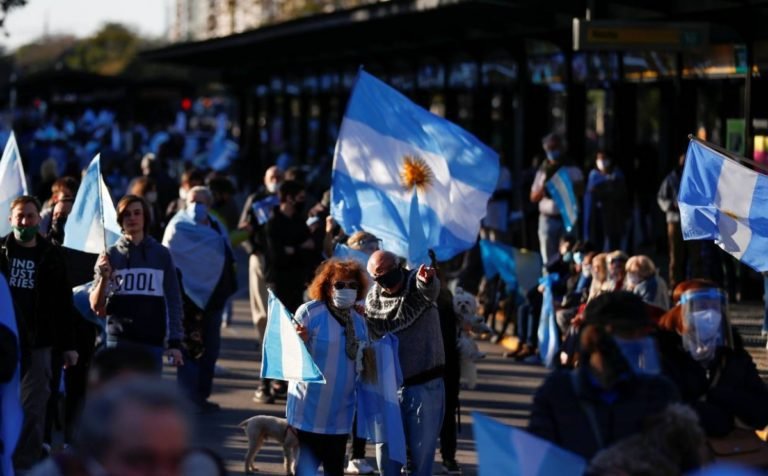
23, 278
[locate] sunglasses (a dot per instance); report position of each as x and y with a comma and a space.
345, 285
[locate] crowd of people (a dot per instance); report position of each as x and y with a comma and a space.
629, 344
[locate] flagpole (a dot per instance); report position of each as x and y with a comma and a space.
730, 154
101, 204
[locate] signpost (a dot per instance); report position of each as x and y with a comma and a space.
632, 36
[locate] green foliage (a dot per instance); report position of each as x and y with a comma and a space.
108, 52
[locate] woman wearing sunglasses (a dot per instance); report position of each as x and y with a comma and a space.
322, 414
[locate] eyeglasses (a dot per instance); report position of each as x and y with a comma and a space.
345, 284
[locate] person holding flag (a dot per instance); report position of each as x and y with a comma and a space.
37, 277
137, 288
335, 336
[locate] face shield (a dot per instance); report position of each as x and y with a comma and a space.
705, 327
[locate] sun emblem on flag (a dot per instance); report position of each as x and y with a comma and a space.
416, 173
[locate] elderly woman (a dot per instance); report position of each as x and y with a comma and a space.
335, 334
643, 280
599, 274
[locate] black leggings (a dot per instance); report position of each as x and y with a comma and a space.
316, 449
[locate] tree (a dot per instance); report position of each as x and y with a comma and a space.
6, 6
43, 53
108, 52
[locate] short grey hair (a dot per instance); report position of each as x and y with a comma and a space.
203, 190
96, 431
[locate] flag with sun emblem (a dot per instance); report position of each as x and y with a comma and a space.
413, 179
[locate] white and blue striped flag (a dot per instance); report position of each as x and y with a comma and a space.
560, 188
13, 183
724, 201
92, 225
11, 414
505, 450
548, 333
284, 355
409, 177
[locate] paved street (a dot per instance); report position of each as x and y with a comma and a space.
504, 391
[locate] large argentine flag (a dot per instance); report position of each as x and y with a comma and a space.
724, 201
13, 183
560, 188
92, 225
11, 414
504, 450
411, 178
284, 356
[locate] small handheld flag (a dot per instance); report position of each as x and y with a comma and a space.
284, 355
92, 226
548, 334
13, 183
560, 188
504, 450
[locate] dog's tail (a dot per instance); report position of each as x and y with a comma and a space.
244, 423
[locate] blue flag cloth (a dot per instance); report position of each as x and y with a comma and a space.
80, 297
345, 252
199, 252
549, 336
724, 201
560, 188
499, 260
13, 183
262, 209
727, 469
409, 177
507, 451
284, 355
92, 224
11, 414
378, 412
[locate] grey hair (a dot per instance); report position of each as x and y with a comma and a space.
201, 189
96, 431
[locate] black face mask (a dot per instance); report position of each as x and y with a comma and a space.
390, 279
58, 224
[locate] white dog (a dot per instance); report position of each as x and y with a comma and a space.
469, 353
263, 427
465, 307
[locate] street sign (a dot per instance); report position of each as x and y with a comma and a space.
635, 36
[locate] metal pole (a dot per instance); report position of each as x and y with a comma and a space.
748, 128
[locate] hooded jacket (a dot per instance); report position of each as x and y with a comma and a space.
144, 290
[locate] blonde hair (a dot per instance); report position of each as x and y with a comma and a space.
599, 274
642, 265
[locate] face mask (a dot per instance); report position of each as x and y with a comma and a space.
272, 187
640, 354
701, 339
568, 257
603, 164
298, 206
553, 154
183, 193
25, 234
633, 279
344, 298
390, 279
151, 197
586, 270
197, 211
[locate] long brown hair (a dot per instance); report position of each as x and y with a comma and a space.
129, 199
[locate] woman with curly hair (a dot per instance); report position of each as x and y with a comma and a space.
335, 334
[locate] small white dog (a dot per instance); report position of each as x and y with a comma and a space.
469, 353
263, 427
465, 307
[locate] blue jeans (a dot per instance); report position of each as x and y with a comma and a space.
422, 408
550, 231
195, 377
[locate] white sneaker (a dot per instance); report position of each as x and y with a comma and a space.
359, 466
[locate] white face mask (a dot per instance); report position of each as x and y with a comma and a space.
586, 270
633, 279
344, 298
603, 164
272, 187
183, 193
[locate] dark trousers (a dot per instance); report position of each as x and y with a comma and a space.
450, 428
358, 444
316, 449
195, 377
35, 390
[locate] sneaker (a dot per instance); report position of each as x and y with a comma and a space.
262, 396
279, 388
451, 467
359, 466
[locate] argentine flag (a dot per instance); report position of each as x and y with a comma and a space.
724, 201
548, 333
505, 450
560, 188
284, 355
411, 178
11, 414
13, 183
92, 226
